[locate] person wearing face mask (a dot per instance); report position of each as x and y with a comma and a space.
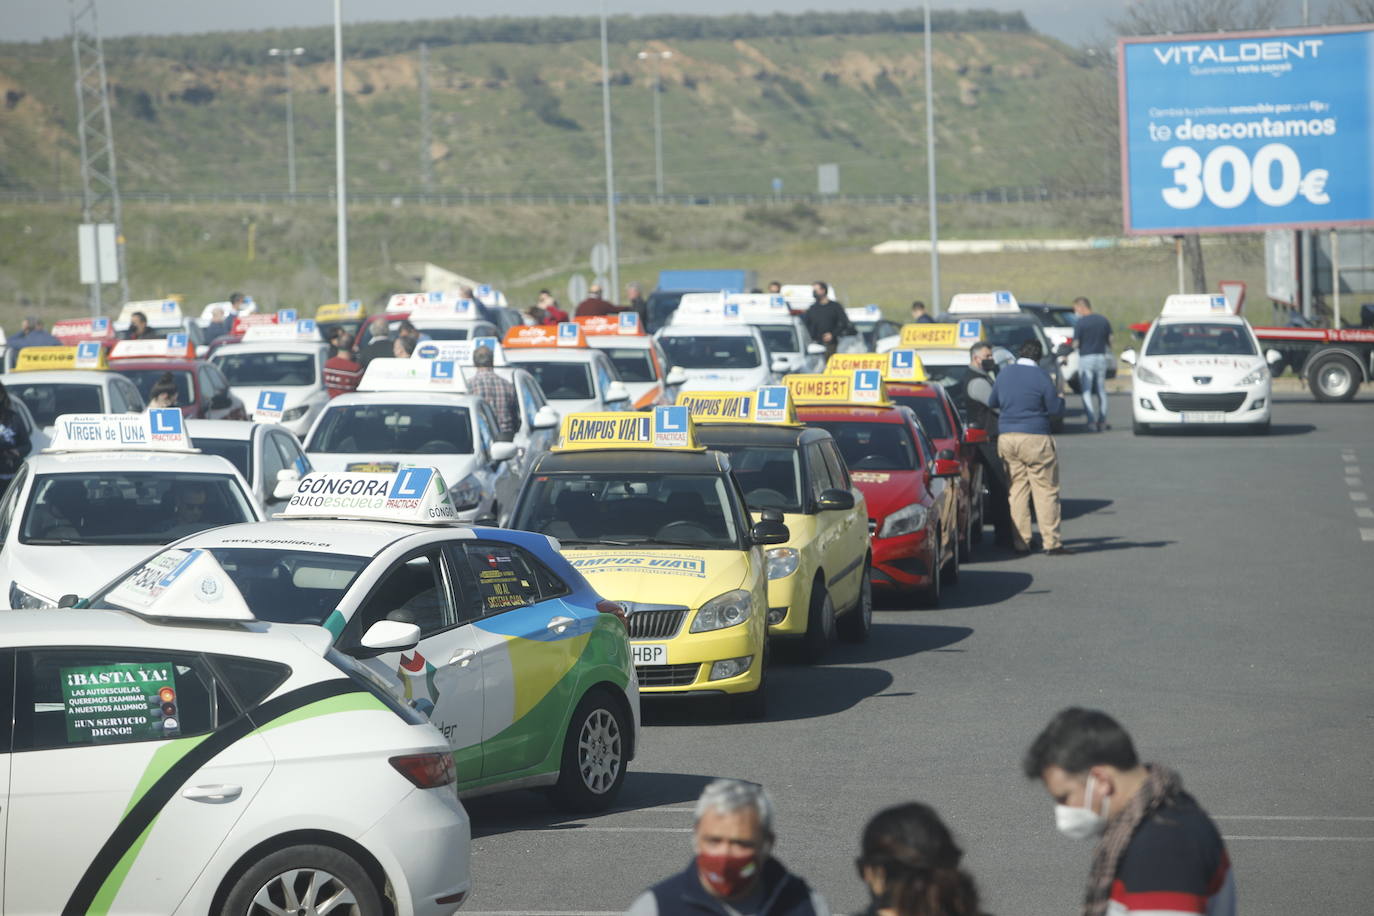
1156, 850
734, 872
977, 390
911, 865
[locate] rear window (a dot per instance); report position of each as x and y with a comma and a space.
633, 363
268, 369
393, 429
47, 402
145, 379
562, 381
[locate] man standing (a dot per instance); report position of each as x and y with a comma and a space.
919, 315
138, 327
1157, 851
379, 343
734, 872
1026, 399
634, 295
977, 393
1092, 337
497, 392
341, 371
553, 312
774, 288
595, 305
826, 320
32, 333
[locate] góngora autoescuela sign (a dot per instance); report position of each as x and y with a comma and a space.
1247, 130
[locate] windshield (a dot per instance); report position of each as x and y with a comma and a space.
1200, 338
129, 507
1056, 318
145, 379
562, 381
770, 476
701, 351
631, 509
872, 446
1011, 334
780, 338
47, 402
235, 450
281, 586
633, 364
396, 429
266, 370
930, 412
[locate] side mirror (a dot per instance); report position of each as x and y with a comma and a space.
676, 376
68, 601
768, 532
504, 451
287, 481
545, 418
815, 349
835, 499
617, 392
1271, 356
220, 401
771, 515
946, 464
387, 636
1128, 357
781, 364
975, 436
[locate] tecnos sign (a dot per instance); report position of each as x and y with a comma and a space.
1247, 130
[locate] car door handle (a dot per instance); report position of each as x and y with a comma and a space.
559, 624
462, 657
212, 793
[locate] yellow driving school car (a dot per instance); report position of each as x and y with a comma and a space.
819, 581
657, 523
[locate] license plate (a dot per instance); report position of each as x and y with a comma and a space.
1203, 416
650, 655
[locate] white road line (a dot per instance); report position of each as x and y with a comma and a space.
1352, 469
1292, 817
1306, 839
1358, 496
1367, 534
1364, 512
1354, 482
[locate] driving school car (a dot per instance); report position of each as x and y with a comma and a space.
640, 360
520, 664
819, 581
574, 376
202, 390
787, 342
657, 523
720, 357
52, 381
286, 359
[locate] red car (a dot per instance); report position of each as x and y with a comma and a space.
912, 493
202, 390
941, 421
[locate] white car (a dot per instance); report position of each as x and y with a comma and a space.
270, 459
400, 416
520, 663
216, 765
789, 345
651, 378
575, 377
109, 489
725, 358
439, 316
38, 439
49, 393
273, 358
1200, 365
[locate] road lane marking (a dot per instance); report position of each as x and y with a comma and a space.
1358, 496
1367, 534
1364, 512
1352, 469
1354, 482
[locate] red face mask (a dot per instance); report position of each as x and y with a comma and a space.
728, 876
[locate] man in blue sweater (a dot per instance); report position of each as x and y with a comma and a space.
1027, 399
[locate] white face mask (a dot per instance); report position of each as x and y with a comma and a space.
1081, 823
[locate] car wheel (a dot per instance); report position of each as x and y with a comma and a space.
593, 767
820, 624
1140, 429
858, 623
980, 518
966, 539
930, 595
1334, 378
305, 879
754, 704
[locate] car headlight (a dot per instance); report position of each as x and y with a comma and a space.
1148, 377
21, 600
904, 521
467, 493
295, 413
727, 610
1254, 378
782, 562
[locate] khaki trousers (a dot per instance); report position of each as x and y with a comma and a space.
1033, 465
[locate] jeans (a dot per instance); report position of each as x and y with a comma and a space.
1092, 381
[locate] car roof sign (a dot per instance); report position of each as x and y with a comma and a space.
161, 313
181, 584
1198, 305
665, 428
863, 387
566, 334
460, 351
771, 404
73, 330
337, 311
173, 346
413, 495
902, 365
86, 355
929, 336
161, 429
1000, 302
623, 324
302, 330
392, 374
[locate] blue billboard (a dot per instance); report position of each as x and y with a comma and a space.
1248, 130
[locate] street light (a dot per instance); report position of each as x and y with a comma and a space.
340, 186
930, 172
286, 54
658, 58
610, 154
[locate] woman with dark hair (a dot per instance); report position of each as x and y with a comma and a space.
14, 439
164, 392
911, 865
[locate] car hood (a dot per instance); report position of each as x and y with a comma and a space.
677, 576
296, 395
1183, 368
644, 394
571, 406
887, 491
453, 467
726, 379
53, 571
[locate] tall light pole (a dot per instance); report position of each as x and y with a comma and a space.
610, 156
658, 57
930, 174
340, 191
286, 54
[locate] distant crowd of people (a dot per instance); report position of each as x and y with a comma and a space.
1156, 851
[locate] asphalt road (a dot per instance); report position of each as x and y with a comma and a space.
1221, 605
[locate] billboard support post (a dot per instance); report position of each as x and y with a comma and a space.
1178, 256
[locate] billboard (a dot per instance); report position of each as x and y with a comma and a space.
1247, 130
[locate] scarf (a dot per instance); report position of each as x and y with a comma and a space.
1161, 788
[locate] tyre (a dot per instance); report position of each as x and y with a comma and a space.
593, 768
1334, 378
858, 623
951, 574
820, 624
930, 595
965, 542
980, 518
305, 879
1140, 429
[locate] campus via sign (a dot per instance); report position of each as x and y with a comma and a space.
1247, 130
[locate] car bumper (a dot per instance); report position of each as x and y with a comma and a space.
690, 658
1252, 404
425, 850
904, 561
789, 600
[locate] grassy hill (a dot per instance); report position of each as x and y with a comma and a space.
207, 112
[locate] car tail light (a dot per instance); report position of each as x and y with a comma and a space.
613, 607
427, 771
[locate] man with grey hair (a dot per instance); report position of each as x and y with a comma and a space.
32, 334
734, 872
496, 391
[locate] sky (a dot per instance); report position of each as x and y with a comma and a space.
1073, 21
